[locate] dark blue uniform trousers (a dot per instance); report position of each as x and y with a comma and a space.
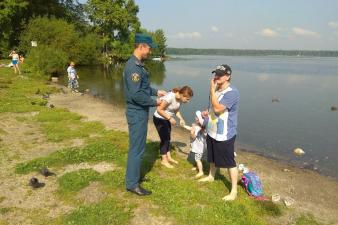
138, 127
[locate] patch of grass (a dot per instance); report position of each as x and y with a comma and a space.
94, 152
269, 208
190, 202
307, 220
60, 124
75, 181
4, 210
20, 93
52, 115
110, 211
114, 179
177, 195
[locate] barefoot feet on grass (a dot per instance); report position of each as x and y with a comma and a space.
167, 164
173, 161
207, 179
232, 196
194, 168
199, 175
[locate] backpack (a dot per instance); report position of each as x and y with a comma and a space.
252, 184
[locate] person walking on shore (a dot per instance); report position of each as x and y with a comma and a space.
138, 94
72, 77
15, 61
222, 127
164, 117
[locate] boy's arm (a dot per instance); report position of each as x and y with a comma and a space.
192, 132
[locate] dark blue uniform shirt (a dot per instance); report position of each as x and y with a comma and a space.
137, 88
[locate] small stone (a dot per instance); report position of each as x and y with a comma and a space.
288, 201
275, 99
298, 151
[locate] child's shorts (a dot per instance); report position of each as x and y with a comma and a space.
195, 156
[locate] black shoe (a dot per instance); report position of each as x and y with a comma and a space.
139, 191
34, 182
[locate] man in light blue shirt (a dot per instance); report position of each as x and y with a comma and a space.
222, 127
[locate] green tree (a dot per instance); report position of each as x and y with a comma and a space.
58, 34
16, 14
9, 9
88, 49
50, 32
47, 60
114, 20
160, 40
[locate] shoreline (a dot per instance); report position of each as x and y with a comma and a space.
278, 177
240, 146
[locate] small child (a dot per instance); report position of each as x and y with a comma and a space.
198, 142
72, 77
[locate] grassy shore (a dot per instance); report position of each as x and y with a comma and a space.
89, 162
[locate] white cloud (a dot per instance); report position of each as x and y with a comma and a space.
303, 32
186, 35
214, 28
268, 32
333, 24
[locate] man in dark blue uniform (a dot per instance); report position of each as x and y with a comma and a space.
138, 98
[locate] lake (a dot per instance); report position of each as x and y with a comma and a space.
306, 87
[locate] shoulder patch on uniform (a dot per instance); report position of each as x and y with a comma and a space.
135, 77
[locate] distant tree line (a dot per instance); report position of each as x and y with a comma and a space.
248, 52
99, 31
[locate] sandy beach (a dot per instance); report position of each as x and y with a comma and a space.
312, 192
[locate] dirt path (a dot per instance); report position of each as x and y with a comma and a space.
22, 141
312, 192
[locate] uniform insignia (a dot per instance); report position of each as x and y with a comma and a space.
135, 77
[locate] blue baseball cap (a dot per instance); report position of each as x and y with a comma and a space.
144, 39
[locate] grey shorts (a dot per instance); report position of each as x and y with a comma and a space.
193, 157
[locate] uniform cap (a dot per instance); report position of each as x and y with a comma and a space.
144, 39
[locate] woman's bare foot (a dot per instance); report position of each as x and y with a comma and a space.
173, 161
199, 175
207, 179
232, 196
167, 164
194, 168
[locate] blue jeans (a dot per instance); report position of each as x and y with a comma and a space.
138, 127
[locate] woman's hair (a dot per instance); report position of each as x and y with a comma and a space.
185, 91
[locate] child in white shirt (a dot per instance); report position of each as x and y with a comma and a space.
198, 142
72, 77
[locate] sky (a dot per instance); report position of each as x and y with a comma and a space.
244, 24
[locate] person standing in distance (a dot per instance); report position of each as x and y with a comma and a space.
138, 94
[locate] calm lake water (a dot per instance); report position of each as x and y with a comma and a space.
306, 88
